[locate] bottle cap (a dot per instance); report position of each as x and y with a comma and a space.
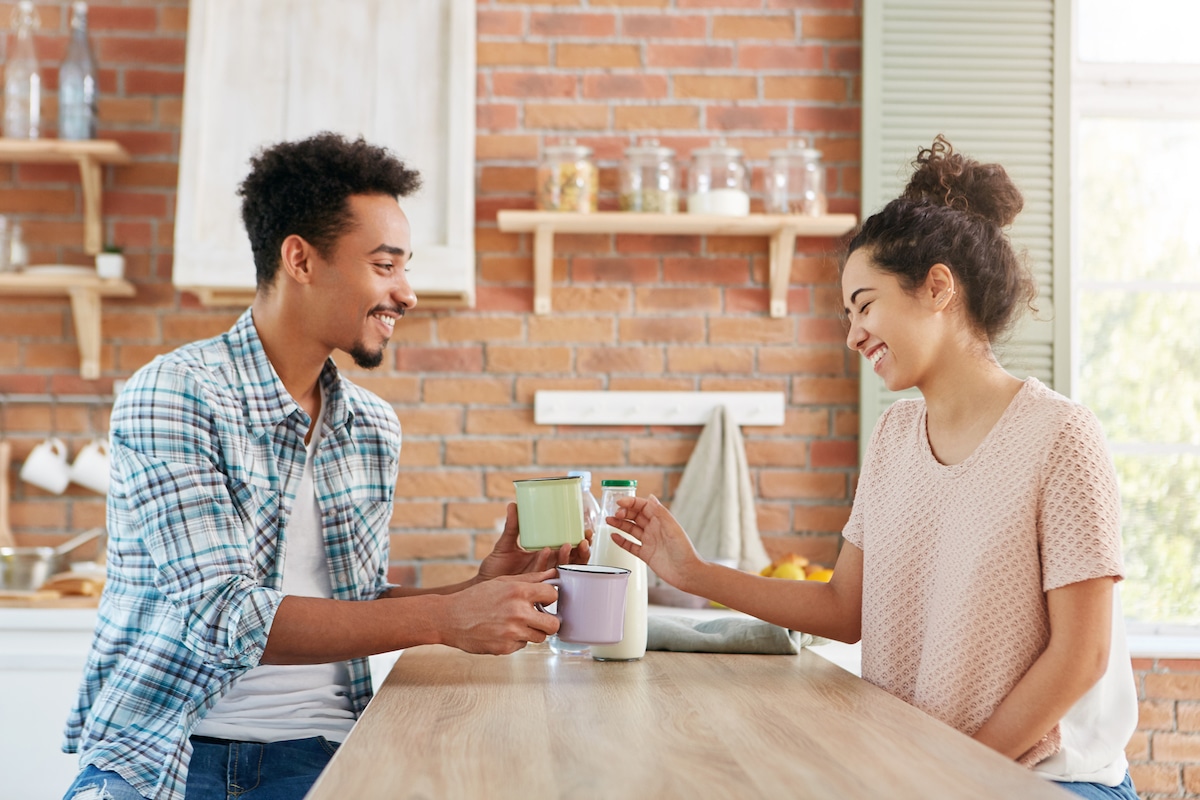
585, 477
618, 483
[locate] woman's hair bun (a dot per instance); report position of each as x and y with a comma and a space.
949, 179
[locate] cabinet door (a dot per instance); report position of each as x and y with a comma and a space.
400, 74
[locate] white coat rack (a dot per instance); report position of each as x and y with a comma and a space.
655, 408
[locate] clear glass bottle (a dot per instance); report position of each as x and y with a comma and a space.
592, 522
22, 80
719, 182
18, 253
796, 181
649, 179
633, 644
77, 81
567, 179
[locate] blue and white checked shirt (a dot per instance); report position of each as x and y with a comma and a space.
207, 449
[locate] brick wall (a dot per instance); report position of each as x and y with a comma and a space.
630, 312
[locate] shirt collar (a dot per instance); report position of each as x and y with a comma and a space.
268, 402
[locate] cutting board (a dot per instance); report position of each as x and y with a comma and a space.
45, 599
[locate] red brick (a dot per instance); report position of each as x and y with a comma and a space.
777, 453
533, 84
664, 26
124, 18
688, 55
562, 24
573, 116
528, 359
610, 360
117, 50
660, 451
570, 329
831, 26
1185, 686
439, 359
532, 54
757, 26
430, 546
746, 117
489, 452
595, 56
173, 19
1178, 747
781, 57
511, 421
566, 452
1191, 780
665, 329
826, 454
489, 391
715, 360
495, 116
1150, 778
679, 299
489, 22
657, 117
727, 87
624, 86
820, 518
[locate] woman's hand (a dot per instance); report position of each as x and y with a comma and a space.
664, 545
507, 557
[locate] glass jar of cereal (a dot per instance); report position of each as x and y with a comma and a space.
567, 179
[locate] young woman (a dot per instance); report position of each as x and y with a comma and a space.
984, 545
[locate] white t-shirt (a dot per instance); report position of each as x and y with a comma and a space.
273, 702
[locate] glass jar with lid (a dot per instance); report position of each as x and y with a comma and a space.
567, 179
649, 179
719, 182
796, 181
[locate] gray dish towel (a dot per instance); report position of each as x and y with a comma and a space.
723, 635
715, 499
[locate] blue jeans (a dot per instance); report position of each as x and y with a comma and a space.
225, 770
1098, 791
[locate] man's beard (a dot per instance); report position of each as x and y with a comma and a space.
364, 358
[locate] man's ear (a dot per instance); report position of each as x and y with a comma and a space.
295, 259
939, 288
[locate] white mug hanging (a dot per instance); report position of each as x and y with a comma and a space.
91, 466
46, 466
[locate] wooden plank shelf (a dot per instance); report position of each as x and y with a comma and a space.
85, 292
90, 155
781, 229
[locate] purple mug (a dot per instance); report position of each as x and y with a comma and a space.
591, 603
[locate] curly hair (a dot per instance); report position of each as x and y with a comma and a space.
303, 188
954, 211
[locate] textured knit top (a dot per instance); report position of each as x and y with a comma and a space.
957, 558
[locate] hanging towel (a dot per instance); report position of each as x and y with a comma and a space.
715, 499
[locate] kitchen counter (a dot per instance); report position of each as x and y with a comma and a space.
534, 725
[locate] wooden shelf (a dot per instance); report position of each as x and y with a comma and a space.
240, 297
85, 292
89, 155
782, 229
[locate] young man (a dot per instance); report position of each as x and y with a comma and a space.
252, 488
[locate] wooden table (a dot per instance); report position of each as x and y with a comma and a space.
535, 725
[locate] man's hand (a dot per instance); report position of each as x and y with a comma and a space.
507, 558
498, 616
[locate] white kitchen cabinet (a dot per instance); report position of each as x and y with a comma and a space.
42, 654
399, 74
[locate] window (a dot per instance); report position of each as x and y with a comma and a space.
1136, 282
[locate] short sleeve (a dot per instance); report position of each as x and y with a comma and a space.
855, 528
1079, 507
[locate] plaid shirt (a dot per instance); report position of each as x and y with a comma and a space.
207, 450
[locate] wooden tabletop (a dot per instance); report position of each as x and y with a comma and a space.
535, 725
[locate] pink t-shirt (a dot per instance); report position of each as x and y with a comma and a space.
957, 559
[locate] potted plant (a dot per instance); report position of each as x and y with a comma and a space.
110, 262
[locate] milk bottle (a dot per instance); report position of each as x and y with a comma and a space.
633, 644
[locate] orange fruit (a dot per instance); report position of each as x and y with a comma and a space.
821, 575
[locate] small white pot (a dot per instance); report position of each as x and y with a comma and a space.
110, 265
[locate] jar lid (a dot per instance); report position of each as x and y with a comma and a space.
569, 149
801, 149
649, 149
617, 483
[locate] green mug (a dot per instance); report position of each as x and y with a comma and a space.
549, 512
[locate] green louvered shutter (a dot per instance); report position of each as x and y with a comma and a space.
992, 75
